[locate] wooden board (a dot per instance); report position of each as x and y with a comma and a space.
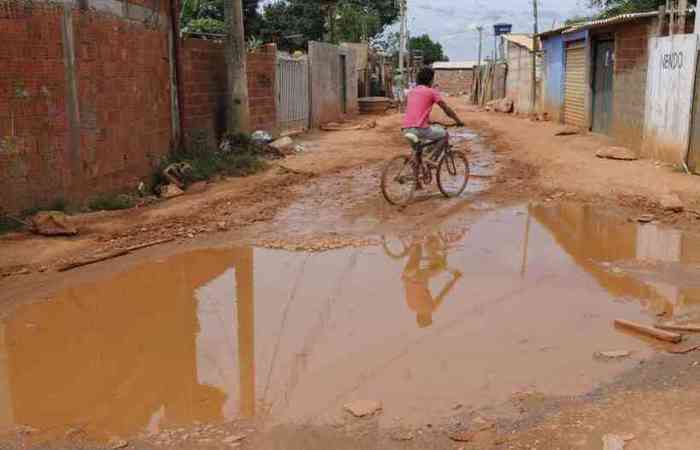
649, 331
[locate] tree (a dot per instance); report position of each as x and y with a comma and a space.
432, 51
207, 16
293, 23
612, 8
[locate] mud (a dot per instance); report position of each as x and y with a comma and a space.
461, 316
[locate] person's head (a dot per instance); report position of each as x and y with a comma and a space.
425, 77
424, 319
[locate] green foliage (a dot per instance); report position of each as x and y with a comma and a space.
356, 24
112, 202
8, 225
207, 16
432, 51
610, 8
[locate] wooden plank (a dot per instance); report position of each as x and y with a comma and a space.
649, 331
678, 327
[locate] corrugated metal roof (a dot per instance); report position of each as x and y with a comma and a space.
611, 21
523, 40
455, 65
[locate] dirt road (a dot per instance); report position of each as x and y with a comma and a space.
287, 296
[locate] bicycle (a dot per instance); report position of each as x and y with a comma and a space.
407, 174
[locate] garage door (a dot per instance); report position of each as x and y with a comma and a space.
575, 91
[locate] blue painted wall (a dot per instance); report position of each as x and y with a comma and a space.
554, 81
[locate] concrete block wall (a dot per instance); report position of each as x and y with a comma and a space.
629, 83
326, 83
84, 102
204, 82
454, 82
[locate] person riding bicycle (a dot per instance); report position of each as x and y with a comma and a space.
419, 106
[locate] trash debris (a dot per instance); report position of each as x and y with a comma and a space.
649, 331
671, 202
261, 137
646, 218
613, 442
612, 355
52, 223
119, 444
617, 153
178, 173
678, 327
362, 408
170, 191
142, 190
284, 144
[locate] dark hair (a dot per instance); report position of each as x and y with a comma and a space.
425, 76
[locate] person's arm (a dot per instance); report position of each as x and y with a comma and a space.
450, 113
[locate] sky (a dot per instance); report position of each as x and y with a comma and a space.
449, 21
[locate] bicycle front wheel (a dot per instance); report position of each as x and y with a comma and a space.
453, 174
399, 181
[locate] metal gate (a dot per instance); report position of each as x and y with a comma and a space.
575, 91
293, 92
603, 86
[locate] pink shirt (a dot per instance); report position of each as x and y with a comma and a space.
419, 105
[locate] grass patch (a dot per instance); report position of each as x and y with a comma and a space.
8, 225
112, 202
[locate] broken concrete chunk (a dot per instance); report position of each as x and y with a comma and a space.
613, 442
618, 153
362, 408
671, 202
463, 436
53, 223
285, 144
234, 438
170, 191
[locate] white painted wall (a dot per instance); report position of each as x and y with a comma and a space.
670, 88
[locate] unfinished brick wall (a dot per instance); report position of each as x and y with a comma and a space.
629, 84
84, 103
454, 81
204, 84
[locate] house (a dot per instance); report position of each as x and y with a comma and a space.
454, 78
518, 50
596, 75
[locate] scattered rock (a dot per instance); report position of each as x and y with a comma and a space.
671, 202
613, 442
285, 144
568, 132
222, 226
403, 435
119, 444
196, 188
503, 105
646, 218
362, 408
618, 153
463, 436
234, 438
170, 191
613, 355
53, 223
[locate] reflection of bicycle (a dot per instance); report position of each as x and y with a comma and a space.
398, 247
405, 174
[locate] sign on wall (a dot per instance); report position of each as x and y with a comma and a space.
669, 100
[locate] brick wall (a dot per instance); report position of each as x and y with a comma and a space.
629, 84
204, 83
454, 82
72, 128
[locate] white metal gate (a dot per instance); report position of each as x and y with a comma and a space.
575, 85
293, 92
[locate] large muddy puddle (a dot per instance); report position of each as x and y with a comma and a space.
519, 301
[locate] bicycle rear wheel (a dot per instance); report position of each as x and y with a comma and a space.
453, 174
399, 181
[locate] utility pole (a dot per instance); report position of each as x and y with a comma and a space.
238, 119
533, 91
402, 43
480, 29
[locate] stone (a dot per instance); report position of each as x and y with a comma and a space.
671, 202
284, 144
234, 438
197, 187
617, 153
403, 435
503, 105
463, 436
119, 444
170, 191
646, 218
568, 132
613, 442
362, 408
53, 223
613, 355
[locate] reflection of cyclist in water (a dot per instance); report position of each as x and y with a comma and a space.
426, 261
